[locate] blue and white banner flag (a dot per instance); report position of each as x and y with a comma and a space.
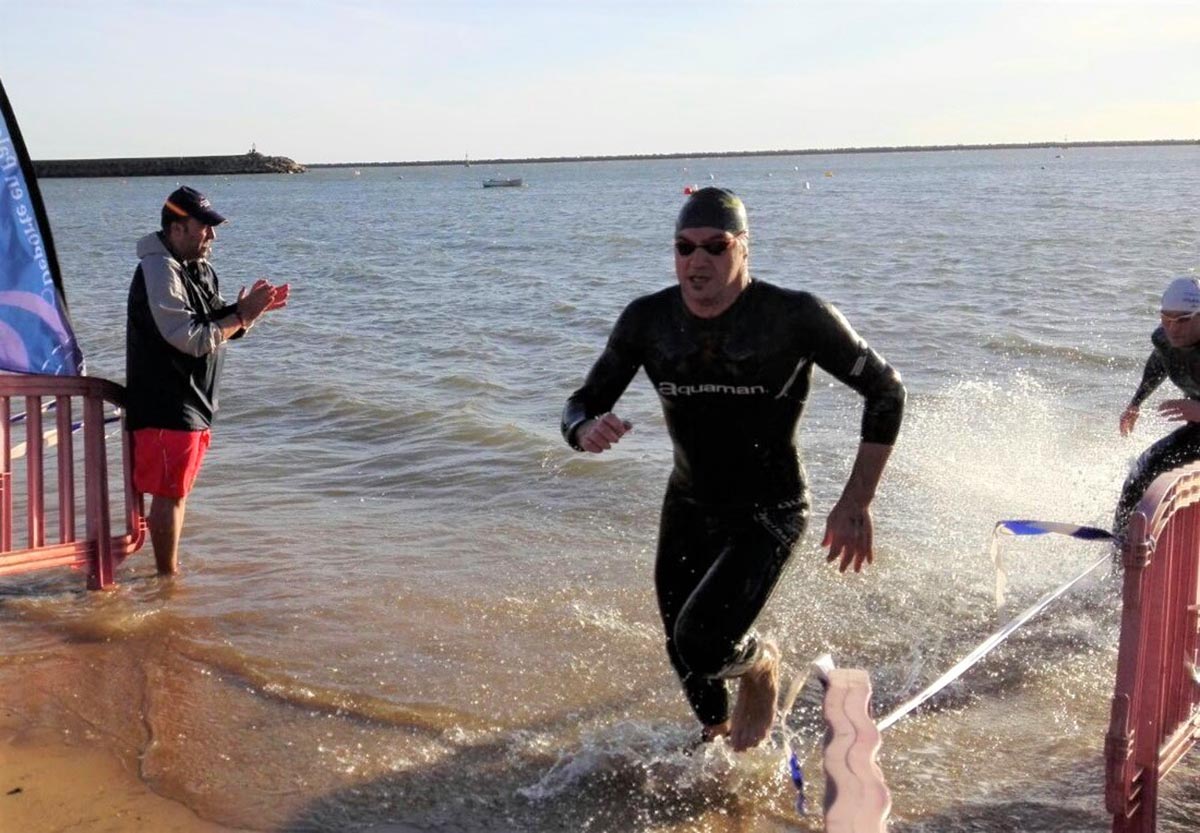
35, 332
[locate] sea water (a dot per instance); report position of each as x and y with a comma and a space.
404, 600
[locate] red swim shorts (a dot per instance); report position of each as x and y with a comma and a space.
166, 462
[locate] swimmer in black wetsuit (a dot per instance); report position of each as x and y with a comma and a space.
732, 360
1176, 355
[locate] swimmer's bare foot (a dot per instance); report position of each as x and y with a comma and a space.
707, 735
755, 708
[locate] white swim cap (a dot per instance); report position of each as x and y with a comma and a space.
1182, 295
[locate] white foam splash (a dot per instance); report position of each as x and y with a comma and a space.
659, 757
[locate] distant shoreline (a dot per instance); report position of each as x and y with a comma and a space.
256, 163
634, 157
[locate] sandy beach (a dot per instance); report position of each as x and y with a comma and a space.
50, 786
72, 733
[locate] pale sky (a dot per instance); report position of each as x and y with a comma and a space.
369, 80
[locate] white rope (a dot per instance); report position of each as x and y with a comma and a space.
985, 647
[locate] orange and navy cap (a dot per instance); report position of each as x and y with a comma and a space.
188, 202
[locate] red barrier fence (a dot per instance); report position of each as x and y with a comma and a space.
51, 537
1154, 717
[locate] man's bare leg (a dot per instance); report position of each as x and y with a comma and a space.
754, 711
165, 522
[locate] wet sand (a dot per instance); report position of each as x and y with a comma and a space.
109, 732
73, 732
54, 786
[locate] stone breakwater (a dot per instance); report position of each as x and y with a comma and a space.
247, 163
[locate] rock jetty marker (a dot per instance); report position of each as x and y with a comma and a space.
246, 163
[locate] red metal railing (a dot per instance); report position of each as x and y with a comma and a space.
99, 551
1154, 716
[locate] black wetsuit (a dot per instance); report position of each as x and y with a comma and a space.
732, 389
1181, 446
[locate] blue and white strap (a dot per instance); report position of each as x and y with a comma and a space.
1030, 527
1085, 533
820, 668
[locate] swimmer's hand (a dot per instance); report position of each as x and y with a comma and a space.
1129, 418
850, 534
1180, 410
602, 433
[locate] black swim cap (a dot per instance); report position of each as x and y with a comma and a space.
714, 207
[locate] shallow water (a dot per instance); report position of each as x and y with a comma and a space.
405, 601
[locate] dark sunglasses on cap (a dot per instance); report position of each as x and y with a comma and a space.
713, 247
1179, 319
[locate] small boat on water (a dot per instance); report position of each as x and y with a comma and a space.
515, 182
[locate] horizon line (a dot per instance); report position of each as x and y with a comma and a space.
467, 161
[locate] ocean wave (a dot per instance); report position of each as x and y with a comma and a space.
266, 678
1014, 345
